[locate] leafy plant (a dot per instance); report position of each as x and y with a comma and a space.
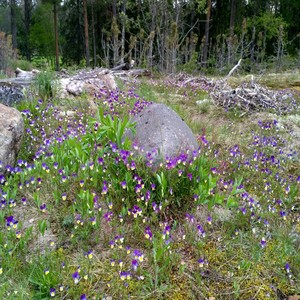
112, 128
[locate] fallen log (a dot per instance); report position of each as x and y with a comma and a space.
26, 74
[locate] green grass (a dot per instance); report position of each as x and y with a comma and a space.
128, 231
288, 79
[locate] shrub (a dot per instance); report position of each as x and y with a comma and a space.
45, 86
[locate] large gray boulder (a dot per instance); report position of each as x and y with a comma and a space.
161, 133
11, 133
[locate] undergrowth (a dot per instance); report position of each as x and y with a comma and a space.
83, 217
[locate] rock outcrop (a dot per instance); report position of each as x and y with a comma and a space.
89, 82
11, 133
161, 134
13, 90
11, 93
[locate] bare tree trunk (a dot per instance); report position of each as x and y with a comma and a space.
123, 31
280, 46
232, 16
132, 45
232, 21
223, 51
13, 26
252, 45
164, 50
150, 53
94, 37
186, 50
27, 23
86, 33
174, 38
191, 37
105, 46
56, 36
153, 10
115, 40
115, 34
206, 42
244, 30
173, 47
264, 45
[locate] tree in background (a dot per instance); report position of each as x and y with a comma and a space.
72, 31
55, 19
86, 33
41, 39
206, 35
28, 7
13, 8
164, 34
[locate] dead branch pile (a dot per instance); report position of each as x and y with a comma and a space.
252, 97
94, 73
183, 80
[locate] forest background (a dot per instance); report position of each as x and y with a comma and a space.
165, 36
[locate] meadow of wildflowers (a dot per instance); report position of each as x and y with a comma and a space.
82, 217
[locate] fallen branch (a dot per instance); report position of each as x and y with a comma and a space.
233, 69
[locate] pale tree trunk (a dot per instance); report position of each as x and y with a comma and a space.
173, 47
141, 44
186, 50
164, 50
86, 33
174, 39
150, 53
252, 48
191, 38
105, 47
132, 46
264, 45
244, 30
206, 42
153, 10
223, 56
162, 35
280, 46
115, 41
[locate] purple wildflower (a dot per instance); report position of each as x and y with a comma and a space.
148, 233
76, 277
134, 264
52, 292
